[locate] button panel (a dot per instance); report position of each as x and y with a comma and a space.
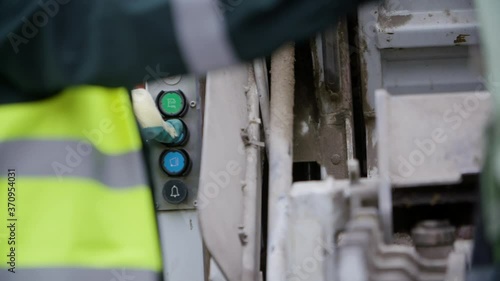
175, 163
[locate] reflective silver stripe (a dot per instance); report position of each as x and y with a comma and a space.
202, 36
71, 159
70, 274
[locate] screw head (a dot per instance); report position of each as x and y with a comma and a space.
192, 104
336, 159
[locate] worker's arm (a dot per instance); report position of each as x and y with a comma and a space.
48, 45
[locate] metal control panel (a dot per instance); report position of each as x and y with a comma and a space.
176, 166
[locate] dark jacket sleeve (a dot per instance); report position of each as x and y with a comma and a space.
111, 43
48, 45
258, 27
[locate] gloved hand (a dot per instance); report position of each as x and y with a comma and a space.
152, 124
164, 136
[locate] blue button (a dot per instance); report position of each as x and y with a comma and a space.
174, 162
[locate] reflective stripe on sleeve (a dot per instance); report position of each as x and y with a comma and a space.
202, 36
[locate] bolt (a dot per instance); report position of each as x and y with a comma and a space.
433, 233
434, 239
336, 159
192, 104
195, 203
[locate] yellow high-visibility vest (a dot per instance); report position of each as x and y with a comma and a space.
74, 200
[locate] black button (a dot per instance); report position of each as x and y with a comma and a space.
175, 192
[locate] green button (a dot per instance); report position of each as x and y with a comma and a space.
172, 103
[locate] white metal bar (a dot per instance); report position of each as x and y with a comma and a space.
261, 79
280, 157
250, 236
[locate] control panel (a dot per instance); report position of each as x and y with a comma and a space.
176, 164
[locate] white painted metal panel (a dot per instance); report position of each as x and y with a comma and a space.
182, 247
432, 139
223, 168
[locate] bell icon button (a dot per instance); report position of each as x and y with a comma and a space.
175, 192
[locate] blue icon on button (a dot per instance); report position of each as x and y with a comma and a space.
174, 162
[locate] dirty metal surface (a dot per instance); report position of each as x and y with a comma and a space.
363, 255
411, 47
466, 192
431, 139
306, 120
324, 130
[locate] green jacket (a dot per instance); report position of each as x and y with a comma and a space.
48, 45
